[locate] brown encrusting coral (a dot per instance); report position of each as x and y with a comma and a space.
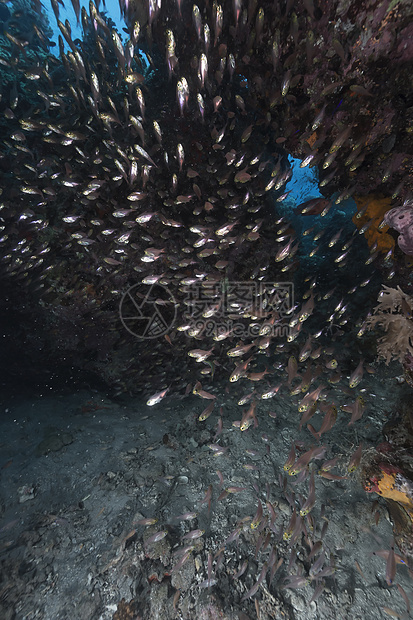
370, 212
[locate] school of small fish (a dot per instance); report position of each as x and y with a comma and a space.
154, 163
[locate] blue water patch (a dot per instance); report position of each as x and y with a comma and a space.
66, 12
303, 185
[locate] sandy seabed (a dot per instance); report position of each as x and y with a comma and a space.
79, 471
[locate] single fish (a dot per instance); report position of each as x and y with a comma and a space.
355, 459
315, 206
156, 398
357, 375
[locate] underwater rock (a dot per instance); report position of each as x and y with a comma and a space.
408, 369
126, 611
389, 472
53, 442
401, 219
26, 493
